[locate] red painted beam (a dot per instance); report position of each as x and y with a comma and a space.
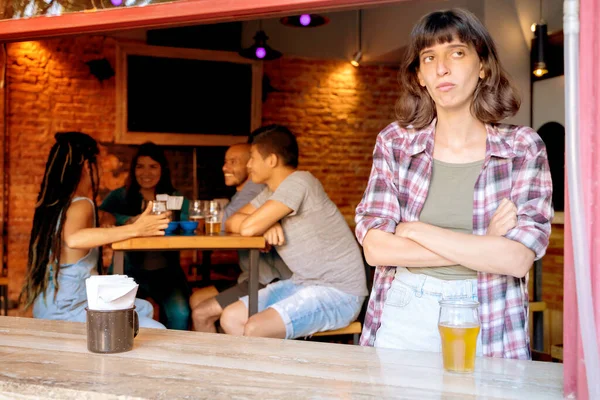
182, 12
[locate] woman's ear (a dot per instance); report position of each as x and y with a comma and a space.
420, 79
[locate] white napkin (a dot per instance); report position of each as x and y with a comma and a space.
174, 202
110, 292
162, 197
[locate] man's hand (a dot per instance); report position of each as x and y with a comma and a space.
504, 219
274, 235
267, 248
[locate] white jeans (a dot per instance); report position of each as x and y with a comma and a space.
411, 311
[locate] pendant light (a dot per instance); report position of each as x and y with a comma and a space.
539, 46
260, 50
305, 21
357, 57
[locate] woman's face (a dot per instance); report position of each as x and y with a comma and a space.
147, 172
450, 73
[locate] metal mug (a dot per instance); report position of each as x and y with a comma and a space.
111, 331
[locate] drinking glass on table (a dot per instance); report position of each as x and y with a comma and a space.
144, 205
459, 327
213, 218
196, 212
159, 207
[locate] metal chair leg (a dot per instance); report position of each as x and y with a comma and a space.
206, 264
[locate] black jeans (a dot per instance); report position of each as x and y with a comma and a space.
168, 287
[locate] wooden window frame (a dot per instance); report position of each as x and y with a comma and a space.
177, 13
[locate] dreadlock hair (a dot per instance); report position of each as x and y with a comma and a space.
64, 168
165, 185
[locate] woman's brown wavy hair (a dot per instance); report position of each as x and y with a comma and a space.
495, 97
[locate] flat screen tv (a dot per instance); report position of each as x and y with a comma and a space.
176, 96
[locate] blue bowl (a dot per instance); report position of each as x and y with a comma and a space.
188, 226
173, 225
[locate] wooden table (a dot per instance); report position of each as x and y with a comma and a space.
208, 242
49, 359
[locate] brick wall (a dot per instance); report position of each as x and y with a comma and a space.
334, 109
50, 89
2, 148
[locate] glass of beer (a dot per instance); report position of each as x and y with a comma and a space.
196, 213
213, 218
459, 327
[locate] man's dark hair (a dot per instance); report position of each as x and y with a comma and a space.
278, 140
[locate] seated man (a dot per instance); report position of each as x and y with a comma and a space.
293, 212
207, 303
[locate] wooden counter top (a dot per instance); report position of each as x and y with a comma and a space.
49, 359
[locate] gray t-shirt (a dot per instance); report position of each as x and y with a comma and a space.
319, 248
270, 265
240, 199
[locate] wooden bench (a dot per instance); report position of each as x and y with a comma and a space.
556, 351
354, 329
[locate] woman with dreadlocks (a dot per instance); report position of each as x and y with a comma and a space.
63, 249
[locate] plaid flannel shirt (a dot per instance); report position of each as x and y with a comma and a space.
515, 167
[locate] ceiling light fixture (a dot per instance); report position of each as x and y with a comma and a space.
357, 57
539, 47
260, 50
305, 20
